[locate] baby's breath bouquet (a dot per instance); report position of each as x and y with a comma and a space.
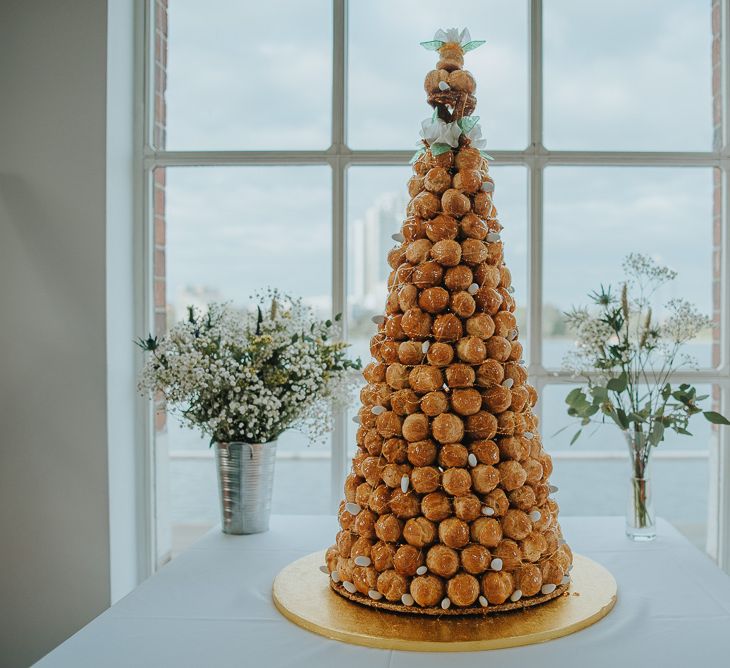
248, 376
627, 355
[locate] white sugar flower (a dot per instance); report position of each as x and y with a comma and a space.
436, 131
453, 35
431, 128
475, 136
450, 134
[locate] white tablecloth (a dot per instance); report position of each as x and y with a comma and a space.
212, 607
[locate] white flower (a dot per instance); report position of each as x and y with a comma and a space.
593, 334
436, 131
638, 265
453, 35
431, 128
685, 322
241, 376
450, 134
475, 136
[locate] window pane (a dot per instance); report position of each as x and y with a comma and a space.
377, 200
628, 75
589, 486
230, 232
249, 75
510, 198
595, 216
387, 67
234, 230
376, 204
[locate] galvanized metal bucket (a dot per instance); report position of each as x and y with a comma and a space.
245, 481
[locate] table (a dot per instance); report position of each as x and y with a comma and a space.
211, 606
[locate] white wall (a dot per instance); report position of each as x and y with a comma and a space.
55, 536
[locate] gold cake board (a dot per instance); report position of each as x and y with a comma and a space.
303, 595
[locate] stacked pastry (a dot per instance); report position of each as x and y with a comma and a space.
448, 504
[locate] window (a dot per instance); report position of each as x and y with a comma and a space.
271, 158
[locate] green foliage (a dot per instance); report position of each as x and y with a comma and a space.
716, 418
149, 344
627, 360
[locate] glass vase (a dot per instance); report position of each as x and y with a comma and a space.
640, 518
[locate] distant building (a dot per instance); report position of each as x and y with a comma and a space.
370, 242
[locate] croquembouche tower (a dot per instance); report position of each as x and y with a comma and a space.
447, 507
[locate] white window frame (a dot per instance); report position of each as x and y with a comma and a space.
535, 158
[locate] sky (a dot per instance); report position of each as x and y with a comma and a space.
624, 75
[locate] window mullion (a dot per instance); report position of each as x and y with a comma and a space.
534, 266
338, 162
161, 158
720, 538
535, 74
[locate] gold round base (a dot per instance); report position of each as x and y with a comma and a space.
302, 593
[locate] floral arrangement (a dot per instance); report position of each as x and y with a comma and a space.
627, 357
241, 376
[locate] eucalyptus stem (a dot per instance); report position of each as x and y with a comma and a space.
624, 347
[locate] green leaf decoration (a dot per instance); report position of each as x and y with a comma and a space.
417, 155
715, 418
475, 43
467, 123
576, 436
684, 432
486, 155
433, 45
438, 149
